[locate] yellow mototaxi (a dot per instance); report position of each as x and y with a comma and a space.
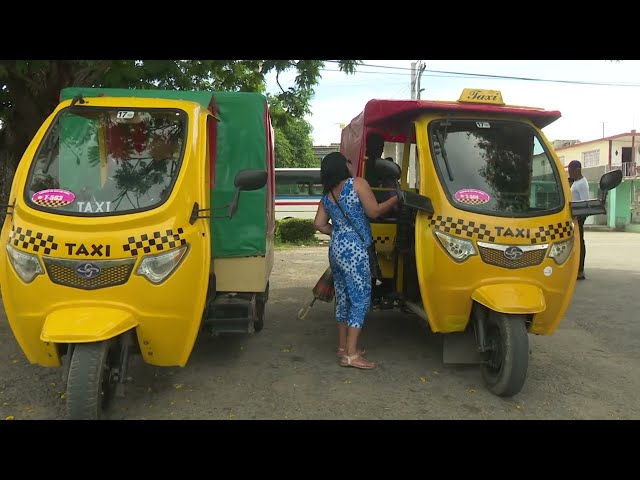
483, 248
136, 220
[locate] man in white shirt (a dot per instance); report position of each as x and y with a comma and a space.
579, 192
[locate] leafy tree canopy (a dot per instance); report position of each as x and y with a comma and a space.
29, 89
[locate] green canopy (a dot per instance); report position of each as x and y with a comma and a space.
241, 143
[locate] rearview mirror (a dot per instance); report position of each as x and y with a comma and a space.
250, 179
610, 180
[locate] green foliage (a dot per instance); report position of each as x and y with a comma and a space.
29, 89
295, 230
294, 147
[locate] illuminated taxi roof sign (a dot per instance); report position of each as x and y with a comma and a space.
473, 95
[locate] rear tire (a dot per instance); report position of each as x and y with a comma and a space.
258, 324
504, 368
90, 387
261, 305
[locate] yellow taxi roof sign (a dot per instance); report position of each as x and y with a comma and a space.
474, 95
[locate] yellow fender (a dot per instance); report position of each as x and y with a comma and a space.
86, 324
515, 298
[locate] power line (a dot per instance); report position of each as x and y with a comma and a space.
502, 77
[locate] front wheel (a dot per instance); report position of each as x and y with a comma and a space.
504, 368
91, 382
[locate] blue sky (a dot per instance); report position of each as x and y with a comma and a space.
340, 97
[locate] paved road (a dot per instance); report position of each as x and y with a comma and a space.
586, 370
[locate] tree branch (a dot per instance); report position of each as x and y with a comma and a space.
12, 71
88, 76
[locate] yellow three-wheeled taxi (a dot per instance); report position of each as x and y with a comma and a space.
483, 248
136, 219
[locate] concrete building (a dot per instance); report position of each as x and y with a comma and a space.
617, 152
319, 151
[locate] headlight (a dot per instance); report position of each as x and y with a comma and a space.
26, 265
560, 251
156, 268
458, 248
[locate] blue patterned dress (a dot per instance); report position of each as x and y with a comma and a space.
348, 256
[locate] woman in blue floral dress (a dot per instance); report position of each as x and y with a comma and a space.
348, 255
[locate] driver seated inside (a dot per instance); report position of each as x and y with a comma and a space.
375, 148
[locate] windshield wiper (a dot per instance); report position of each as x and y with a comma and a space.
444, 154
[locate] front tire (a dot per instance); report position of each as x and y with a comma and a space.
90, 385
504, 368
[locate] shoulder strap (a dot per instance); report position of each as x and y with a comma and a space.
348, 219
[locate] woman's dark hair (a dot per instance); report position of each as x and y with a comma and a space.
333, 170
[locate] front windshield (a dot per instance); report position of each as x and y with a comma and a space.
495, 167
97, 161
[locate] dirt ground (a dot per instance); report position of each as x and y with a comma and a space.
586, 370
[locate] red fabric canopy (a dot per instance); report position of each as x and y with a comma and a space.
390, 117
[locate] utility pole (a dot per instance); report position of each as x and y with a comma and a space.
602, 128
420, 70
413, 80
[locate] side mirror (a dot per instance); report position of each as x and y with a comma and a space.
417, 201
250, 179
610, 180
246, 180
387, 169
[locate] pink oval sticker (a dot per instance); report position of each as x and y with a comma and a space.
53, 197
470, 196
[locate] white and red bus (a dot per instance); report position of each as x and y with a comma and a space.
298, 191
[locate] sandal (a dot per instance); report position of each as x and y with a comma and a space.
364, 364
343, 351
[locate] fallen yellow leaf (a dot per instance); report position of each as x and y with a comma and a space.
424, 379
178, 386
347, 381
518, 407
286, 350
10, 417
14, 361
435, 372
471, 390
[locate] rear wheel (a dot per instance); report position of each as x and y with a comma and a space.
261, 304
504, 368
258, 324
91, 382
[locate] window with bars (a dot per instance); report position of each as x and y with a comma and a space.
591, 158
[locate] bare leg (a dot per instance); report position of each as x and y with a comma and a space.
352, 349
342, 340
342, 336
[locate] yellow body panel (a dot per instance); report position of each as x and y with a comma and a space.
447, 287
384, 237
167, 315
511, 298
86, 324
245, 274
